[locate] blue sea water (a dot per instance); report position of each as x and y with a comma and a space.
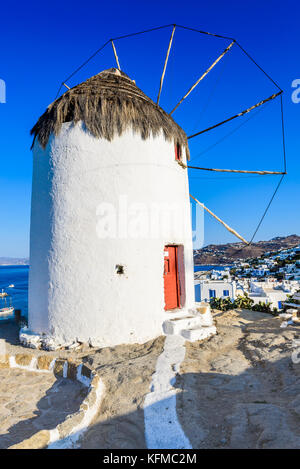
210, 267
17, 275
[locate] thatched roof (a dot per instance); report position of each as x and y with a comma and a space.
108, 103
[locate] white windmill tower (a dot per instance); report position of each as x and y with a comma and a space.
111, 255
104, 151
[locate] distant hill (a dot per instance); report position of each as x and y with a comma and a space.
228, 253
13, 261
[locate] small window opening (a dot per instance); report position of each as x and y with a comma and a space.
119, 269
178, 153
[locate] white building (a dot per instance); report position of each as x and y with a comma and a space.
207, 289
261, 271
267, 292
111, 252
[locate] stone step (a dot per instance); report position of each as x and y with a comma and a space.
202, 310
198, 333
177, 313
175, 326
205, 317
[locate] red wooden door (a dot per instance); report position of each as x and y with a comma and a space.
171, 281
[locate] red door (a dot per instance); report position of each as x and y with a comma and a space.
171, 280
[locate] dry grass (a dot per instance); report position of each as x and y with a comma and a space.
108, 103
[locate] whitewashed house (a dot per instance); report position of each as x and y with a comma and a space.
208, 289
268, 293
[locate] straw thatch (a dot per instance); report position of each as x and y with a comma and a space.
108, 103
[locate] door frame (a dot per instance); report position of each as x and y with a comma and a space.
180, 276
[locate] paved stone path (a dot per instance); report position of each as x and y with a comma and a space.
30, 402
241, 389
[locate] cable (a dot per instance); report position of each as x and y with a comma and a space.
143, 32
283, 133
205, 32
239, 114
231, 132
212, 91
260, 68
158, 28
262, 218
268, 206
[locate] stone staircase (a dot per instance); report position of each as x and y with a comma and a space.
195, 324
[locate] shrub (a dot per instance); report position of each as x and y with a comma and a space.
265, 308
223, 304
243, 301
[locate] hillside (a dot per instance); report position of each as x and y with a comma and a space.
228, 253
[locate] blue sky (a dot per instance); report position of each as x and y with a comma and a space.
43, 42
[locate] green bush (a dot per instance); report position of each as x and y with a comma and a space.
243, 301
265, 308
223, 304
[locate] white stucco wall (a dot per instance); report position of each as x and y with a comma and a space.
219, 288
74, 290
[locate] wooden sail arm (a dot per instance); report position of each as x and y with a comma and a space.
231, 230
236, 171
242, 113
203, 76
115, 54
165, 64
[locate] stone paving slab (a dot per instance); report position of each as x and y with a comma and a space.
30, 402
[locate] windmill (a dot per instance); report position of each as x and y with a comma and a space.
233, 43
99, 146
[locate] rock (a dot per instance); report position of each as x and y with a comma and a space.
67, 426
59, 367
285, 315
23, 359
44, 362
86, 371
4, 358
72, 370
49, 344
284, 324
29, 339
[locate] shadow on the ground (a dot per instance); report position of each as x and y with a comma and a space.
214, 410
257, 408
63, 398
9, 331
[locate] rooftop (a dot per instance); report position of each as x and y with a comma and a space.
108, 103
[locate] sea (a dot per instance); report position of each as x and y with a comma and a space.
17, 275
18, 295
198, 268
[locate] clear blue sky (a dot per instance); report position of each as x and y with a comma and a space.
43, 42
